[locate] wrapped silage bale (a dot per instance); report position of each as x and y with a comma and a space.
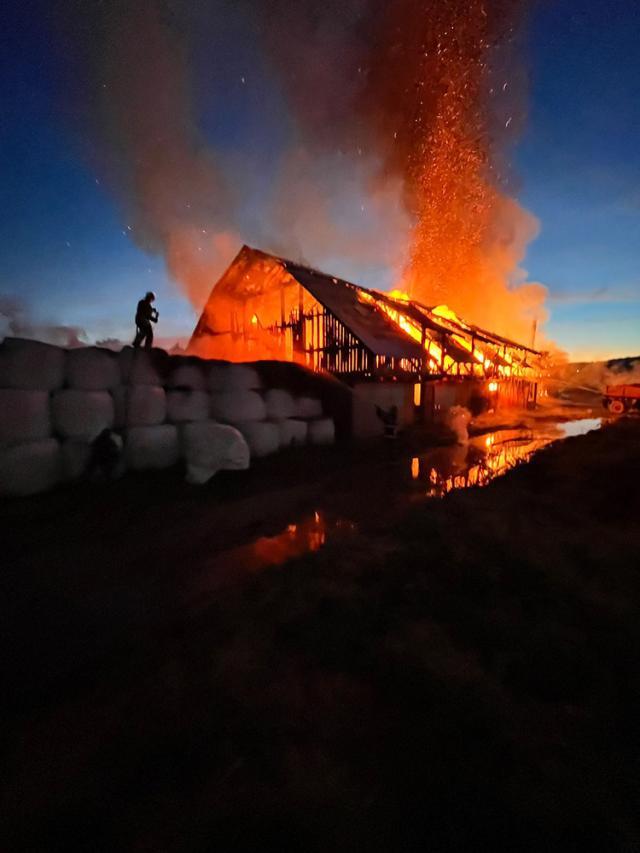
188, 376
146, 405
92, 369
75, 458
24, 416
209, 447
233, 377
234, 407
30, 468
280, 404
139, 367
321, 431
152, 447
119, 397
81, 414
308, 407
263, 437
184, 406
31, 365
293, 432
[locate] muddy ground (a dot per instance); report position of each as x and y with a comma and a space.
454, 674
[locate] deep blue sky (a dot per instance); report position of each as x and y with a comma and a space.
67, 255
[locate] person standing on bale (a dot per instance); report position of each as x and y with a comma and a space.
146, 314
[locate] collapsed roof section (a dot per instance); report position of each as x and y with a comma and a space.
265, 306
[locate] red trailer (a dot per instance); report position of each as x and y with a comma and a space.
622, 398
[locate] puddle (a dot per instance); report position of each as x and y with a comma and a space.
432, 474
581, 427
489, 456
307, 535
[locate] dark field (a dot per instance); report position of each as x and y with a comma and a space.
457, 674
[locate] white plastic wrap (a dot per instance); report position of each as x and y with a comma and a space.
322, 431
263, 437
233, 377
184, 406
27, 469
188, 376
293, 432
137, 367
24, 416
308, 407
209, 447
152, 447
31, 365
280, 404
146, 405
119, 397
234, 407
92, 369
81, 414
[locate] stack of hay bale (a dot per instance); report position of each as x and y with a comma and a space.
214, 416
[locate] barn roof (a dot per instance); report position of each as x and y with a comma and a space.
340, 297
253, 271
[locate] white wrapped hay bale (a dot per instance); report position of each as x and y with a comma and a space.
76, 456
146, 405
81, 414
185, 406
209, 447
293, 432
322, 431
152, 447
234, 407
138, 367
119, 397
92, 369
188, 376
279, 404
233, 377
31, 365
24, 416
308, 407
263, 437
27, 469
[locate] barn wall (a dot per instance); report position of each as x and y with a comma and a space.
368, 395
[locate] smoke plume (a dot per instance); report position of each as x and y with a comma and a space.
402, 115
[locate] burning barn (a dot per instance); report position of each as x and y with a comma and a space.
390, 348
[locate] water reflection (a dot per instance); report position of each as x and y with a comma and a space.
584, 425
308, 534
434, 473
489, 456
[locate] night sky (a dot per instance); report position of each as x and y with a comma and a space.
67, 258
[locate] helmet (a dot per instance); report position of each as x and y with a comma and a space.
150, 296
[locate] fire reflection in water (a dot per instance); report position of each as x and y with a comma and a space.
297, 539
483, 459
309, 534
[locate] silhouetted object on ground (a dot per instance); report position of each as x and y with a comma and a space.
389, 418
146, 314
106, 456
